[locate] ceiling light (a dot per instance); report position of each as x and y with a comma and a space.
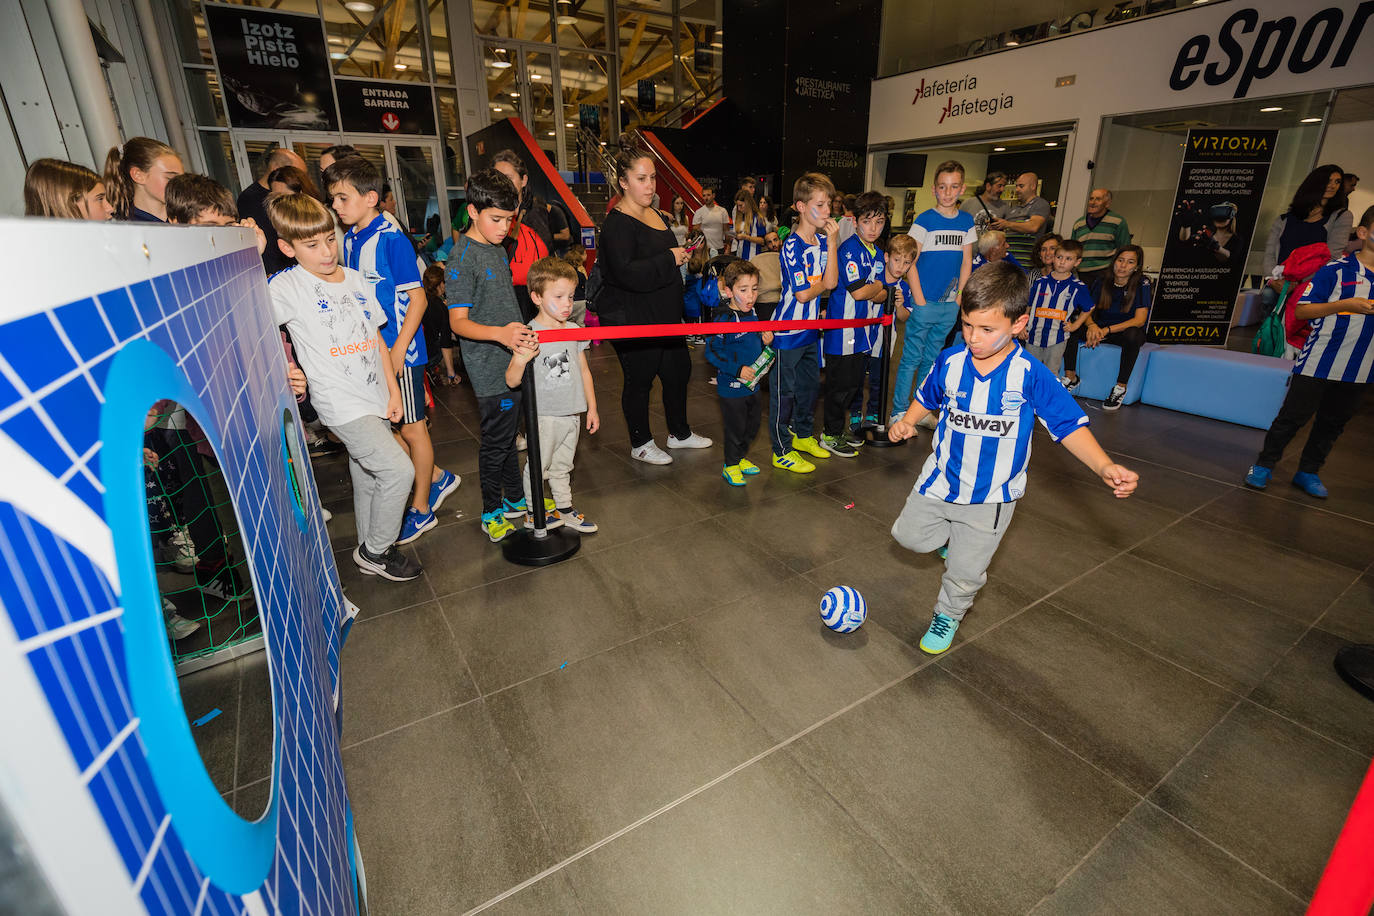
569, 124
551, 133
337, 55
1309, 120
603, 142
1271, 108
399, 66
515, 95
496, 108
999, 149
535, 76
1051, 143
360, 6
335, 40
1196, 2
565, 20
500, 64
1013, 43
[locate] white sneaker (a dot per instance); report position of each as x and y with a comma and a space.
650, 453
895, 417
326, 514
692, 441
182, 549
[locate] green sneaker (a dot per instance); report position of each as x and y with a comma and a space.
513, 509
733, 475
793, 462
943, 552
940, 634
838, 447
496, 525
809, 446
747, 467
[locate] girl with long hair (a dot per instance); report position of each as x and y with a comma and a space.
1317, 213
136, 176
749, 228
64, 190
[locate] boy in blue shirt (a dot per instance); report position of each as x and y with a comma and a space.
989, 394
864, 290
809, 273
1334, 368
1059, 304
386, 259
944, 237
733, 356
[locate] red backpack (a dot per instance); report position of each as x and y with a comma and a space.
1298, 269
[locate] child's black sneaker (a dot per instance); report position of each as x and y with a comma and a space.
392, 564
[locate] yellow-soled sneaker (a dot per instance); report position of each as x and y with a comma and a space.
733, 475
809, 445
794, 463
748, 468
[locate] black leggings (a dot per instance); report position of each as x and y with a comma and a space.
1130, 340
642, 361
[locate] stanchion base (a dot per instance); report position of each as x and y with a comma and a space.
1355, 665
527, 550
876, 437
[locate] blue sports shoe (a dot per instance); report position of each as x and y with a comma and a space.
441, 488
943, 552
940, 634
1310, 484
415, 525
1257, 478
514, 509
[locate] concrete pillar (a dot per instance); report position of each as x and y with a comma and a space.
88, 81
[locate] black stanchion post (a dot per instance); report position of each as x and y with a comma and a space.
540, 547
877, 436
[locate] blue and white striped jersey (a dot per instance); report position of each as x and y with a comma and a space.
1340, 347
983, 440
746, 249
386, 259
1053, 303
860, 265
802, 265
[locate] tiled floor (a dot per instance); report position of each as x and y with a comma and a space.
1138, 716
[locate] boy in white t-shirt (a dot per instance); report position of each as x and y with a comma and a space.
334, 323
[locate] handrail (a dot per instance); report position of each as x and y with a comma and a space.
670, 170
595, 153
698, 97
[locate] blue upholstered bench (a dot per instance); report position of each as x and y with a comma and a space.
1097, 370
1242, 388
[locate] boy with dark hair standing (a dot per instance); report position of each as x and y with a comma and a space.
734, 355
863, 288
386, 259
989, 394
1059, 305
809, 273
484, 314
1332, 371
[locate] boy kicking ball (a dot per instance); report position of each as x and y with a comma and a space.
988, 394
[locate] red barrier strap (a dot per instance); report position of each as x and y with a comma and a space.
626, 331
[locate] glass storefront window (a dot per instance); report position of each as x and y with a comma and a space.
438, 41
581, 25
583, 80
528, 21
700, 48
218, 150
648, 64
543, 108
451, 136
206, 100
376, 39
1139, 157
188, 28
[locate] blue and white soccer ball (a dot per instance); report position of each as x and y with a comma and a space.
843, 609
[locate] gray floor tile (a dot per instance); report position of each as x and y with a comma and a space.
1269, 791
1291, 583
257, 723
1023, 562
1295, 527
251, 801
1151, 865
1162, 486
1111, 703
401, 667
918, 767
441, 817
634, 509
767, 840
1352, 614
805, 530
610, 739
551, 896
458, 557
877, 491
1306, 688
202, 692
1227, 640
1087, 510
777, 659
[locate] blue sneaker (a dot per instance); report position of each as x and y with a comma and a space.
943, 552
415, 525
940, 634
1257, 478
514, 509
1310, 484
441, 488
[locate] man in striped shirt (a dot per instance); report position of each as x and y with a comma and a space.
1103, 234
1333, 369
989, 395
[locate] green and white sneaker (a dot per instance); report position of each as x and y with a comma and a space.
940, 634
496, 525
838, 447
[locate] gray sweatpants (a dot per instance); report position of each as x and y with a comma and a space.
557, 448
382, 478
1052, 356
972, 532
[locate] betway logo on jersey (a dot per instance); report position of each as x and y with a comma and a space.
957, 108
980, 424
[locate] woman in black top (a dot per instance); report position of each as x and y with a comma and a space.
642, 284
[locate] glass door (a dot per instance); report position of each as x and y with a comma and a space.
251, 152
522, 82
418, 201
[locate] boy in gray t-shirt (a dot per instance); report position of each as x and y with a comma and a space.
562, 388
483, 313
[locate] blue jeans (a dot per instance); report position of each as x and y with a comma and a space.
792, 396
925, 337
856, 406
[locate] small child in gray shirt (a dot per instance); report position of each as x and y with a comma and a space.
563, 389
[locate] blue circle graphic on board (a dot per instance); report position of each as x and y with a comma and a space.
843, 609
